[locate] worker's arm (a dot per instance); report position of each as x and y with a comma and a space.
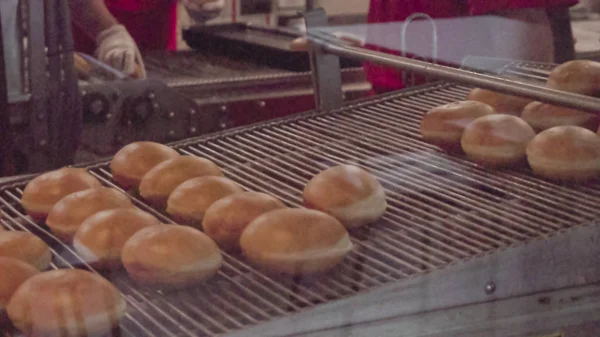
114, 44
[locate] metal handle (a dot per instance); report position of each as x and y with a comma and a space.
503, 85
434, 41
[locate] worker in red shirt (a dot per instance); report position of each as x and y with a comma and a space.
537, 47
116, 30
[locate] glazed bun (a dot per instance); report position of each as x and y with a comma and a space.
497, 140
190, 200
70, 212
13, 273
542, 116
158, 183
171, 256
44, 191
443, 126
101, 237
350, 194
66, 303
226, 219
133, 161
295, 241
579, 76
565, 153
503, 104
25, 247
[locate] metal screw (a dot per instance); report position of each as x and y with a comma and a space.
223, 108
108, 116
262, 104
490, 288
193, 130
192, 112
151, 96
223, 125
171, 114
155, 106
83, 93
171, 133
43, 142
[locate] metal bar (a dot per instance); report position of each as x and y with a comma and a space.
499, 84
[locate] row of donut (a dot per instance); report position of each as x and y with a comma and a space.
108, 232
497, 130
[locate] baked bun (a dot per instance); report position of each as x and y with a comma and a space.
133, 161
226, 219
25, 247
101, 237
497, 140
542, 116
66, 303
13, 273
171, 256
295, 241
565, 153
502, 103
158, 183
44, 191
350, 194
70, 212
190, 200
579, 76
443, 126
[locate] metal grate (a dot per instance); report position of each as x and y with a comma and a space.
442, 210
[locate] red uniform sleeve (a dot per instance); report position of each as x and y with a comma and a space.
480, 7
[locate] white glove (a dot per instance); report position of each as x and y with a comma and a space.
118, 49
203, 10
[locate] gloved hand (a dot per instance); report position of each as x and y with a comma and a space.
203, 10
118, 49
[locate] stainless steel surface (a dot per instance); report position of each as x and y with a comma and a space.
503, 85
443, 210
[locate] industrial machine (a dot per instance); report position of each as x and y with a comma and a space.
461, 250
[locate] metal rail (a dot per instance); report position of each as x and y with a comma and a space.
503, 85
443, 210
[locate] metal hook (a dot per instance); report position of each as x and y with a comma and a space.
408, 21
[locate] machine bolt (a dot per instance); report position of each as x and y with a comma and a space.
171, 114
171, 133
490, 288
151, 96
193, 130
223, 108
108, 116
43, 142
155, 106
262, 104
192, 112
83, 92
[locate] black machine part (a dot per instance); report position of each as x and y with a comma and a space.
52, 106
120, 112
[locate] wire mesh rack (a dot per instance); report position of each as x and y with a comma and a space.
443, 210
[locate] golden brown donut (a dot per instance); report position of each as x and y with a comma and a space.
44, 191
502, 103
158, 183
13, 273
542, 116
66, 303
25, 247
171, 256
70, 212
226, 219
133, 161
190, 200
350, 194
497, 140
578, 76
443, 125
101, 237
565, 153
295, 241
